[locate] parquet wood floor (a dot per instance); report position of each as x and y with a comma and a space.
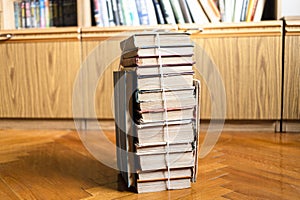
52, 164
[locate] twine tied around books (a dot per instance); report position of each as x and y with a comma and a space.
162, 83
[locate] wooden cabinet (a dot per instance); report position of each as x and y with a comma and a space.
39, 67
247, 57
291, 90
37, 71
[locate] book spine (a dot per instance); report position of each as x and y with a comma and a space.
142, 12
28, 14
47, 15
244, 10
55, 12
120, 12
177, 11
69, 13
42, 14
185, 11
253, 10
222, 10
37, 13
167, 11
33, 14
110, 13
16, 14
115, 12
103, 12
60, 20
133, 13
259, 10
158, 12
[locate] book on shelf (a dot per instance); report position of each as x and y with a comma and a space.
185, 11
211, 10
157, 116
167, 11
45, 13
197, 13
177, 11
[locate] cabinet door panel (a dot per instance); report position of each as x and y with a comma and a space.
250, 68
291, 100
37, 79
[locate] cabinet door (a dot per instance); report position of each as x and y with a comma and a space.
248, 59
37, 72
291, 100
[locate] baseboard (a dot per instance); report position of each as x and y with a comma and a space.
34, 124
243, 125
90, 124
291, 126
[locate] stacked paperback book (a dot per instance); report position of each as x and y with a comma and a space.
157, 112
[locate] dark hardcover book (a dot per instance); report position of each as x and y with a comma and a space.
69, 13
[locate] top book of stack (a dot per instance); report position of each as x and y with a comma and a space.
149, 44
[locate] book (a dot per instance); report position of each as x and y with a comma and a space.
177, 11
167, 11
172, 81
42, 14
161, 185
16, 14
238, 11
158, 12
185, 11
211, 10
197, 12
156, 61
152, 70
155, 52
259, 10
163, 175
162, 148
172, 114
230, 10
151, 12
149, 162
142, 10
244, 10
169, 94
150, 39
154, 133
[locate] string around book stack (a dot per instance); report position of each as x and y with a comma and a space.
165, 108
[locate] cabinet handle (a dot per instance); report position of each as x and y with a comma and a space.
4, 37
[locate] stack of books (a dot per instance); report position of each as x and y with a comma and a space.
157, 112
